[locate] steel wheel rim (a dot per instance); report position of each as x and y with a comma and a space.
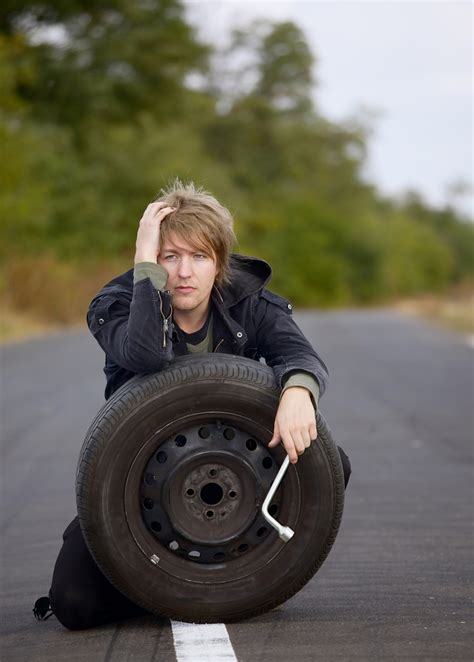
176, 560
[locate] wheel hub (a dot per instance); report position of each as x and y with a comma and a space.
202, 492
209, 502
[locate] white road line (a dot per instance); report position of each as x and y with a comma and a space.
198, 642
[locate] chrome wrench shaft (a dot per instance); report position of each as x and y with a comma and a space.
284, 532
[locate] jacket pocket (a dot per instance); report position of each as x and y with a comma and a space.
100, 313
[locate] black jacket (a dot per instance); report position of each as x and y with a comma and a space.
133, 325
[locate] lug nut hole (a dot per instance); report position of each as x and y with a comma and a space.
161, 457
267, 462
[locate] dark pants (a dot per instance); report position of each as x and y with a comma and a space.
81, 596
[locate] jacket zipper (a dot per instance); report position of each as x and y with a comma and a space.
218, 345
220, 295
166, 320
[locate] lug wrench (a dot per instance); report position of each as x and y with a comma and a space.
284, 532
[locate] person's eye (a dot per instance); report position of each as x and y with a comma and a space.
200, 256
170, 258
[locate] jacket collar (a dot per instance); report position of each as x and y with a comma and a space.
248, 275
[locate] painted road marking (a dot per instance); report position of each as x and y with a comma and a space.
197, 642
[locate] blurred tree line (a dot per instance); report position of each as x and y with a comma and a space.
103, 102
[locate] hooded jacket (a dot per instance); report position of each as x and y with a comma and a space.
133, 325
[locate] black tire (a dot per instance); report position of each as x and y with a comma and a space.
142, 495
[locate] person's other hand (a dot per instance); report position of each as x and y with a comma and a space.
148, 236
295, 422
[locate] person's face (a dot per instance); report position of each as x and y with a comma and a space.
191, 274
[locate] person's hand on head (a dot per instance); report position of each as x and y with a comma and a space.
147, 246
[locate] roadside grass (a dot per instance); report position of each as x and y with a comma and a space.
43, 295
453, 310
16, 326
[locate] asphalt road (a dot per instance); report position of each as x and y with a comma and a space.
396, 585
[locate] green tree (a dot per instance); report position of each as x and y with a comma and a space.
102, 102
107, 60
285, 70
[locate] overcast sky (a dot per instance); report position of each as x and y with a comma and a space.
409, 60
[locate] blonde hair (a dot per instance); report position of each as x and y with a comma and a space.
201, 221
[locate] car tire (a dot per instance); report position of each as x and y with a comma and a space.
170, 483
